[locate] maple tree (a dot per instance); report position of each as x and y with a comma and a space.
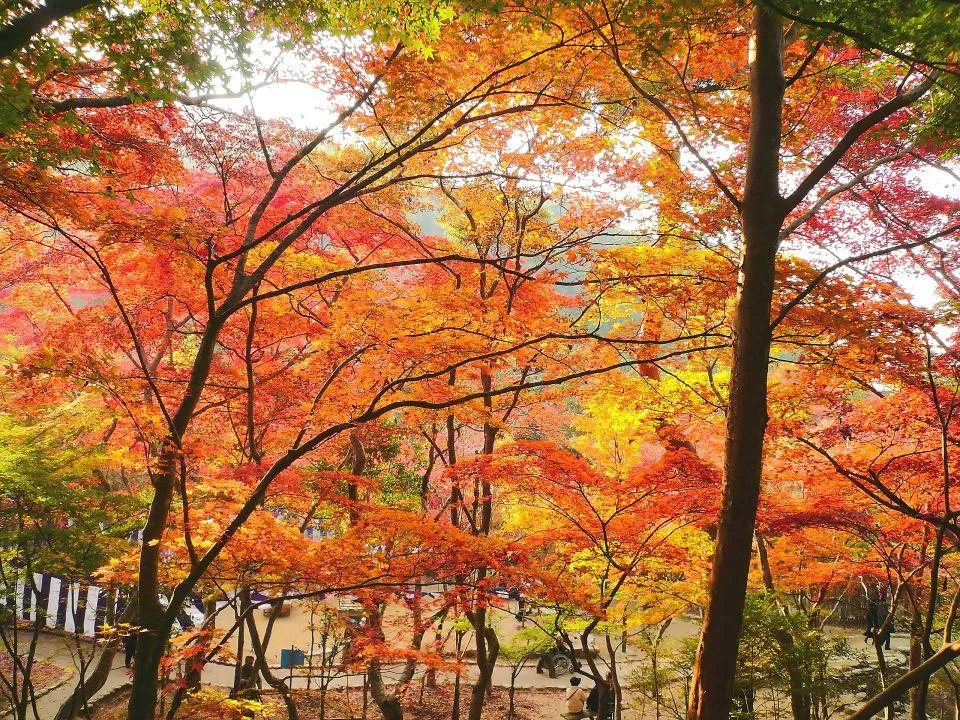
902, 464
51, 521
221, 287
677, 76
277, 328
611, 543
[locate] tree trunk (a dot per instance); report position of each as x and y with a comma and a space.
455, 710
488, 645
259, 650
153, 634
799, 677
901, 685
882, 672
923, 688
357, 465
455, 496
762, 213
155, 623
609, 695
488, 648
241, 633
800, 700
918, 693
388, 703
919, 637
87, 687
430, 676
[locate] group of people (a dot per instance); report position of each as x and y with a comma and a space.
598, 703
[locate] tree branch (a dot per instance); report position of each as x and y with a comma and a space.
861, 38
856, 131
906, 681
843, 187
21, 31
785, 310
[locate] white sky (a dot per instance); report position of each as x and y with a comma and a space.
307, 106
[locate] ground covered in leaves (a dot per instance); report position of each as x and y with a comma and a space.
430, 705
44, 675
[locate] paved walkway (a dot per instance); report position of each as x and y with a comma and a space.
50, 703
61, 650
222, 675
57, 649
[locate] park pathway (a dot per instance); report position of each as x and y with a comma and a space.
56, 649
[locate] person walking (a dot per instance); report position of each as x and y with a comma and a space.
129, 647
878, 612
885, 631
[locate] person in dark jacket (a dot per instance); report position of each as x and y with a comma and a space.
884, 634
248, 675
129, 647
593, 699
874, 606
877, 612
